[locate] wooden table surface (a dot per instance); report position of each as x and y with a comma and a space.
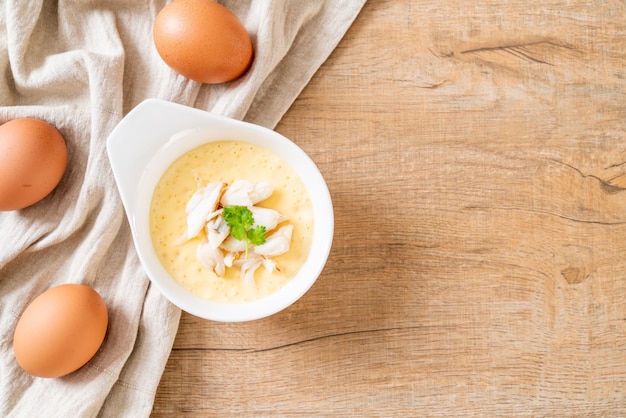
476, 156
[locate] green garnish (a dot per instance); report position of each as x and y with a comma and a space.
240, 221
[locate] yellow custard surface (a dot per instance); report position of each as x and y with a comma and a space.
227, 161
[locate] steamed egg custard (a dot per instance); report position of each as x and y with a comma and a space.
200, 251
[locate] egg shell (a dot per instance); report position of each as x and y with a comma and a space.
60, 331
33, 159
203, 41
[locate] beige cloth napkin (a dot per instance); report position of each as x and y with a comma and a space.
82, 65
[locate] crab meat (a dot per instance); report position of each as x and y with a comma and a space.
211, 258
269, 218
277, 243
233, 245
248, 267
217, 230
201, 206
229, 258
218, 249
246, 193
270, 265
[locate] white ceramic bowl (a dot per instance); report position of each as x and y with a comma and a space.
157, 132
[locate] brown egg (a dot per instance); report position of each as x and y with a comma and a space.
202, 40
60, 330
33, 158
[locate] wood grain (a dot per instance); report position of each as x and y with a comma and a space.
476, 156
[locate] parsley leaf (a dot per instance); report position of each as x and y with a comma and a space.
257, 235
240, 221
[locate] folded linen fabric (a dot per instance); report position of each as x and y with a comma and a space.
81, 65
